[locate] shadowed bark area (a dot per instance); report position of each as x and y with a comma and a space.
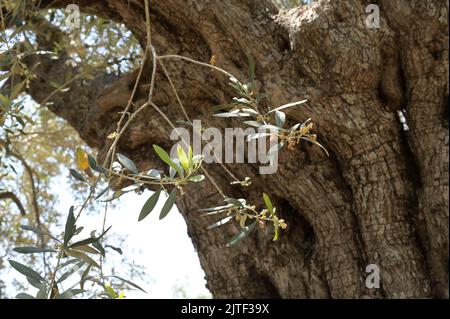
382, 195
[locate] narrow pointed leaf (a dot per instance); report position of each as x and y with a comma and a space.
127, 163
82, 256
285, 106
33, 250
280, 118
234, 201
268, 203
316, 143
90, 240
26, 271
87, 249
184, 160
129, 282
70, 226
119, 251
168, 204
149, 205
197, 178
220, 222
77, 175
166, 159
242, 234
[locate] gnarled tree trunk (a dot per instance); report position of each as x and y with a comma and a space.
382, 195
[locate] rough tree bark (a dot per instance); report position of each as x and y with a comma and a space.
380, 198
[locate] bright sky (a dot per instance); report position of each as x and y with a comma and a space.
162, 246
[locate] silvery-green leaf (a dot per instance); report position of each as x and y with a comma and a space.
220, 222
236, 202
253, 123
127, 163
154, 173
149, 205
285, 106
33, 250
242, 234
280, 118
170, 201
77, 175
26, 271
197, 178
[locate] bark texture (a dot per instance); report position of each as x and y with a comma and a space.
382, 195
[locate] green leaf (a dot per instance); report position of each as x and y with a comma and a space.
78, 230
115, 248
111, 292
70, 226
26, 271
276, 234
153, 173
166, 159
23, 295
253, 123
234, 201
82, 256
129, 282
77, 175
87, 249
113, 196
232, 114
316, 143
220, 222
100, 248
197, 178
71, 271
102, 192
69, 262
169, 203
89, 240
68, 294
268, 203
216, 210
184, 160
42, 292
280, 118
93, 164
84, 276
285, 106
242, 234
34, 283
31, 228
127, 163
33, 250
149, 205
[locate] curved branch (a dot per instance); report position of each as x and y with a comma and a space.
15, 199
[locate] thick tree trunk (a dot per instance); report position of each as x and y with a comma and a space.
382, 195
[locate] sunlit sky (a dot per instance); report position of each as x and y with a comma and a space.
162, 247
